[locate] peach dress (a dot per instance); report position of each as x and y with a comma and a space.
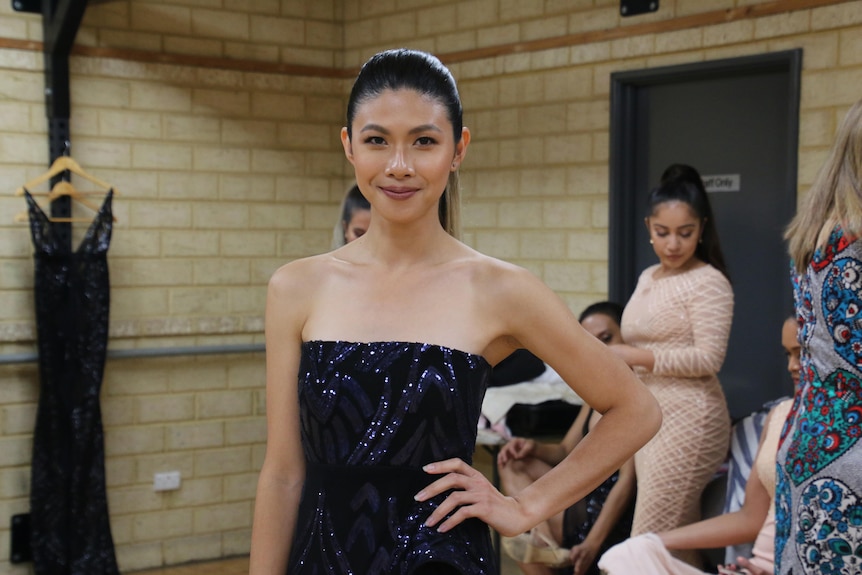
684, 320
646, 555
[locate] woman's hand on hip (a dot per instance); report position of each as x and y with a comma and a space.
472, 495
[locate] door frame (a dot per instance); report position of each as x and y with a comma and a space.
624, 199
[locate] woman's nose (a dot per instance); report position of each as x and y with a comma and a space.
399, 165
793, 364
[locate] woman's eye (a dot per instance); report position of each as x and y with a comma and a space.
426, 141
375, 140
661, 234
605, 338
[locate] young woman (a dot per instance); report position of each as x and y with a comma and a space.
367, 468
591, 525
676, 326
355, 217
647, 554
819, 492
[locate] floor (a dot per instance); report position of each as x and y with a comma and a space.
239, 565
236, 566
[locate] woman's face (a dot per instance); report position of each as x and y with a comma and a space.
790, 343
603, 327
403, 150
674, 231
360, 219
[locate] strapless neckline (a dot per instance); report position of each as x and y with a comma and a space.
441, 347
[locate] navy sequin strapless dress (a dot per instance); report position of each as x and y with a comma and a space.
372, 414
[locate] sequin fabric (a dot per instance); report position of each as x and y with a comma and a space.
71, 534
372, 414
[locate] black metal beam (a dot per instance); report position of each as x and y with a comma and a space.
60, 22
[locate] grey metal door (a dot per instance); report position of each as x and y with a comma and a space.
734, 118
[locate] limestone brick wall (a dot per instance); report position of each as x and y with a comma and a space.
535, 81
223, 142
224, 173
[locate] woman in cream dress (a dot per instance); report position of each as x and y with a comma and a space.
676, 326
648, 554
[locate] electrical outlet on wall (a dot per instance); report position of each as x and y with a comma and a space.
166, 481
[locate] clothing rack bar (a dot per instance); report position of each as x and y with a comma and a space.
147, 352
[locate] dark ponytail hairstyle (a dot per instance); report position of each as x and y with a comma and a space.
608, 308
353, 201
682, 183
423, 73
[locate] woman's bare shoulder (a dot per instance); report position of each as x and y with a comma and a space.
504, 283
301, 275
485, 264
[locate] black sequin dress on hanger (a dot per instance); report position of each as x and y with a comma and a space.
70, 529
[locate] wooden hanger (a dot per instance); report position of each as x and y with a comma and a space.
63, 188
60, 165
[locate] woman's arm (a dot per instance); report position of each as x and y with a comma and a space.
550, 453
634, 356
522, 312
280, 482
710, 310
616, 503
729, 529
553, 453
711, 313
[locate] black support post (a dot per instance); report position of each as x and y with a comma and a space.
60, 22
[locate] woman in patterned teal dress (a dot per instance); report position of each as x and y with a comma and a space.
819, 475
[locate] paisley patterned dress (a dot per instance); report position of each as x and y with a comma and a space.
819, 465
371, 415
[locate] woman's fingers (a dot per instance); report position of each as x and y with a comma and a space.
470, 495
505, 454
452, 471
514, 449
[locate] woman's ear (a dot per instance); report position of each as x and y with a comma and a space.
461, 148
347, 145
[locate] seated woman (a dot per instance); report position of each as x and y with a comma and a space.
648, 554
593, 524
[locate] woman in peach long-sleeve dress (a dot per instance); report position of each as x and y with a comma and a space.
676, 326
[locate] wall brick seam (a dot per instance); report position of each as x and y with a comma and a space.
705, 19
152, 327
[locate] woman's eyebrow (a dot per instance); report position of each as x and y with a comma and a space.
416, 130
425, 128
374, 128
679, 227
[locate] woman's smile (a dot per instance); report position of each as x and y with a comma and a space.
399, 192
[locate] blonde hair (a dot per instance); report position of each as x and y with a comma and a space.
835, 198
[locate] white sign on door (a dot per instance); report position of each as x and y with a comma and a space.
722, 183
